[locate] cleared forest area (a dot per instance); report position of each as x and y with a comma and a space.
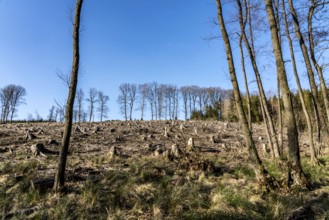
152, 170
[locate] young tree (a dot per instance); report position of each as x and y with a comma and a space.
92, 100
60, 174
102, 105
295, 171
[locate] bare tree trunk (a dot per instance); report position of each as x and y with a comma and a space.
245, 77
267, 128
314, 61
60, 175
243, 120
315, 98
251, 51
280, 131
300, 90
295, 171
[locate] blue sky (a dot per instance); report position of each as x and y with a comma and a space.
121, 41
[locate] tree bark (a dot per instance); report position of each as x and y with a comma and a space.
242, 117
300, 90
244, 72
60, 175
280, 131
296, 173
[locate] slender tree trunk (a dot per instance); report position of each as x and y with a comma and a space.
319, 117
300, 90
280, 131
315, 62
60, 175
295, 171
242, 117
245, 82
267, 116
267, 128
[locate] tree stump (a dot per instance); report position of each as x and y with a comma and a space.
29, 136
166, 132
212, 139
190, 145
113, 152
174, 150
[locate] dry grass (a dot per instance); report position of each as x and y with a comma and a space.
138, 185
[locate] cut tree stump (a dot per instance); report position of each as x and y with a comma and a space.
43, 184
40, 149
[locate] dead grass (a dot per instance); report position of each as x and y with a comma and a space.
212, 183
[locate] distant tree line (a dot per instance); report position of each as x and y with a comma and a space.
96, 103
165, 101
11, 96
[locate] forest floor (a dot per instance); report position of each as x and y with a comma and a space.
127, 170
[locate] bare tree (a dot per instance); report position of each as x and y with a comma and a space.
102, 105
315, 4
152, 99
295, 171
142, 91
60, 111
80, 98
253, 154
251, 51
161, 100
51, 115
92, 100
11, 96
300, 90
319, 116
60, 175
123, 99
185, 94
131, 98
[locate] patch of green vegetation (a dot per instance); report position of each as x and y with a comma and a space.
244, 172
276, 170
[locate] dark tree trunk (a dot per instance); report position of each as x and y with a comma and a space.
60, 175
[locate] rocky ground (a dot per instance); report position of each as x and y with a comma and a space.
150, 170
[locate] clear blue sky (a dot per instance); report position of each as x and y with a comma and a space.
121, 41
